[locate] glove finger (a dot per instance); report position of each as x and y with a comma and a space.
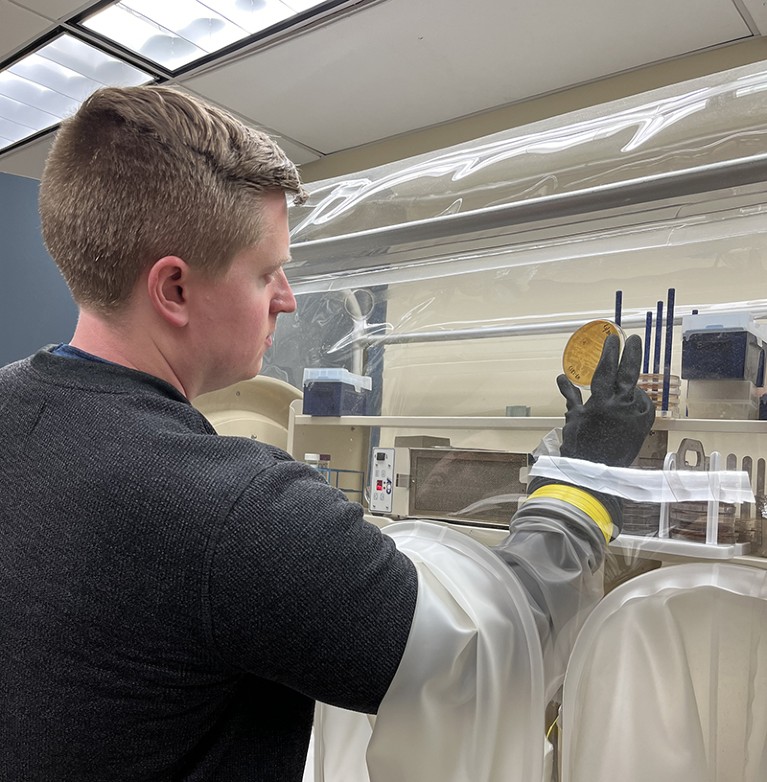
630, 367
571, 393
603, 382
645, 407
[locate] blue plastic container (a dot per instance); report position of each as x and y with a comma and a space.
334, 391
722, 355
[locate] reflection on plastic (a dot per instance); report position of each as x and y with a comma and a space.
652, 133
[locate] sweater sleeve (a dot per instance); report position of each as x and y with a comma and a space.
304, 592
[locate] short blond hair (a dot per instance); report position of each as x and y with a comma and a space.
139, 173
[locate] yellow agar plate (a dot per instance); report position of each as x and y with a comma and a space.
584, 349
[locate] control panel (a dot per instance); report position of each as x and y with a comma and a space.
382, 480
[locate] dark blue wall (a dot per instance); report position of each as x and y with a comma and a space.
35, 305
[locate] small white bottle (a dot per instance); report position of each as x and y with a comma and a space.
320, 462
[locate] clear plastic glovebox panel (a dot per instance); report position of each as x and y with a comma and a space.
710, 120
454, 279
481, 325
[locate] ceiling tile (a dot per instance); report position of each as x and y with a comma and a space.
29, 160
19, 27
295, 152
54, 9
298, 153
758, 12
402, 65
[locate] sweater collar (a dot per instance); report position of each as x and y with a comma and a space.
99, 375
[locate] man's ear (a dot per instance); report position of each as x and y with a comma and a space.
168, 289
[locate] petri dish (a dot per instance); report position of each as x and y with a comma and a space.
584, 349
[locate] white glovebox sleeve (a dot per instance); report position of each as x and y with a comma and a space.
668, 680
467, 701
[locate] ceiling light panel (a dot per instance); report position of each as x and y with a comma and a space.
42, 88
175, 33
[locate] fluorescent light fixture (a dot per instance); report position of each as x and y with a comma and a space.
175, 33
42, 88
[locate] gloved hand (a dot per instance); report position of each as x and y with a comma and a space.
611, 427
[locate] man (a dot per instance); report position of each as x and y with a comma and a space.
173, 602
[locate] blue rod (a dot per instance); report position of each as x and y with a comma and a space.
647, 338
669, 347
658, 332
618, 307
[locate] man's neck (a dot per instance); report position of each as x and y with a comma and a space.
120, 340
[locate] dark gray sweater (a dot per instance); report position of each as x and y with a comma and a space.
172, 602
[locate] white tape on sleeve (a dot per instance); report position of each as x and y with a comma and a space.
647, 485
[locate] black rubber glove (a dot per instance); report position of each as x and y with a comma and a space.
611, 427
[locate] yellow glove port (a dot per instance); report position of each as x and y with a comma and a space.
582, 500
